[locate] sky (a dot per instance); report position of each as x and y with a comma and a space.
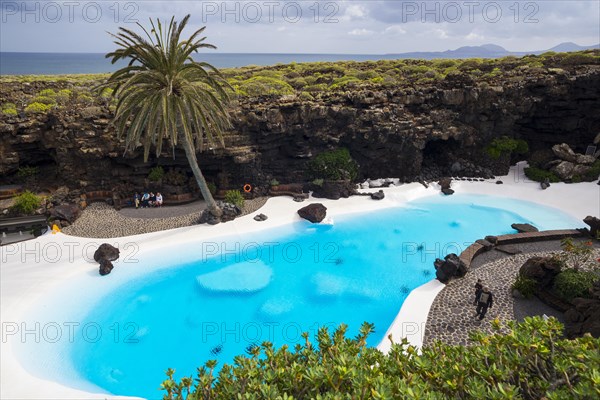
307, 26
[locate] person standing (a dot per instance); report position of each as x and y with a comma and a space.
484, 302
478, 288
136, 200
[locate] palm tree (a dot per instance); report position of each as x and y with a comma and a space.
163, 94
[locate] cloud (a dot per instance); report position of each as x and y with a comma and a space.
361, 32
342, 27
356, 11
474, 37
394, 30
442, 34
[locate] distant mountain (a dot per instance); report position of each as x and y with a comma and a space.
488, 51
570, 46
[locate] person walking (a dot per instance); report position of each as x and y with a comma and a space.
478, 289
484, 302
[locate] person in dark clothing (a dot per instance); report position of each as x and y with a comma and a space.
484, 302
478, 288
152, 199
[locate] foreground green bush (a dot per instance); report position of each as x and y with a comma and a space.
26, 202
530, 361
333, 165
570, 284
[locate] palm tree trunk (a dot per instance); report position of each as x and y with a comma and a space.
190, 153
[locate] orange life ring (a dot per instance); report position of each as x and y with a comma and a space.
247, 188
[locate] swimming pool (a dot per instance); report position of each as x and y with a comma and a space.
273, 286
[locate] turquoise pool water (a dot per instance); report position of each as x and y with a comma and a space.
282, 282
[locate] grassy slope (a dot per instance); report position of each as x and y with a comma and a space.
311, 80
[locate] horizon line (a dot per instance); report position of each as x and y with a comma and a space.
340, 54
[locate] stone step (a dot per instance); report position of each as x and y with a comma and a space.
9, 191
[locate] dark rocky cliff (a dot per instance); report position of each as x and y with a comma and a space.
410, 131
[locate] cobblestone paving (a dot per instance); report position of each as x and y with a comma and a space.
452, 314
102, 221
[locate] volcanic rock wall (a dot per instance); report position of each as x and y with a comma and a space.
419, 131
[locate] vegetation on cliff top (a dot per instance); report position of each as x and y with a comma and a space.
308, 81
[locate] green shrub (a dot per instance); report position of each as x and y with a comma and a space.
26, 202
579, 58
47, 93
305, 96
9, 109
506, 145
263, 85
156, 174
318, 182
63, 95
274, 182
10, 112
298, 83
333, 165
525, 286
540, 175
27, 171
319, 87
234, 197
443, 63
366, 75
470, 64
85, 98
529, 360
345, 82
493, 73
540, 158
415, 69
37, 108
45, 100
575, 254
570, 283
175, 178
212, 188
593, 173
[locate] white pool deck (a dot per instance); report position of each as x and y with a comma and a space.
25, 282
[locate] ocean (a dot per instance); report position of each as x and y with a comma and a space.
92, 63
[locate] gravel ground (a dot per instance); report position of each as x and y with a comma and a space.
163, 212
100, 220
